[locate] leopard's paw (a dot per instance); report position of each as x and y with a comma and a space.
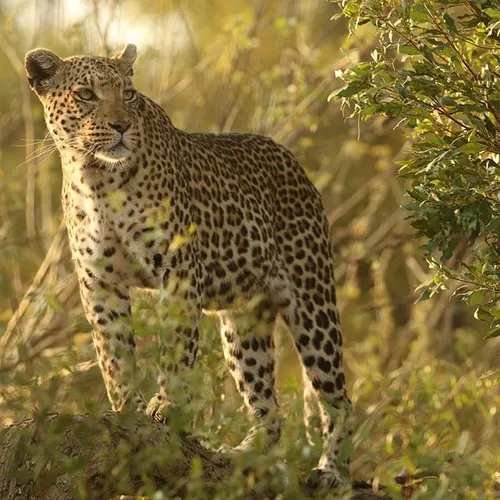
158, 408
324, 479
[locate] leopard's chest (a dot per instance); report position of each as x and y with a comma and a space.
150, 236
148, 229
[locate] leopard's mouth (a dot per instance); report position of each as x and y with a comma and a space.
115, 154
118, 148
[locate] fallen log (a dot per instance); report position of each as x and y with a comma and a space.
63, 457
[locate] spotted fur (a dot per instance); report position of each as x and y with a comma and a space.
223, 222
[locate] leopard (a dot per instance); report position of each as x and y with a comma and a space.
227, 224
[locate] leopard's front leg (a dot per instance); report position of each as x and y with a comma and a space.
104, 292
178, 348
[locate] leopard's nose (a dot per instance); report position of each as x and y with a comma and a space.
120, 126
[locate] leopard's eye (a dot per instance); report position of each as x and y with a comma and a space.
129, 95
85, 94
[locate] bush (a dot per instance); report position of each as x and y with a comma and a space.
435, 71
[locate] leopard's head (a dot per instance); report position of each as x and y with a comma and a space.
90, 104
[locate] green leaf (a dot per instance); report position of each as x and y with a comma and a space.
400, 89
450, 23
419, 14
434, 140
493, 13
476, 298
493, 333
448, 250
369, 110
482, 314
471, 147
349, 91
448, 101
409, 50
335, 93
425, 295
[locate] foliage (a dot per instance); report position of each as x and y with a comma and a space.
435, 70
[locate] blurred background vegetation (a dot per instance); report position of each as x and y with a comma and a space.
423, 380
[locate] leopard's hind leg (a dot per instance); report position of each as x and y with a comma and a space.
315, 328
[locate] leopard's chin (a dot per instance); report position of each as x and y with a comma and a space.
117, 154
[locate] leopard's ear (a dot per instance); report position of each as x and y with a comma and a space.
42, 66
126, 59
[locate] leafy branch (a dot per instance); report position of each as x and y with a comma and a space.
435, 70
